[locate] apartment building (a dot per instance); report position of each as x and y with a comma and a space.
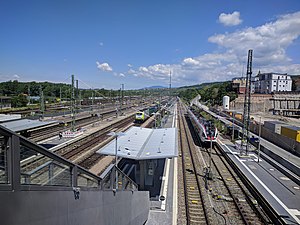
267, 83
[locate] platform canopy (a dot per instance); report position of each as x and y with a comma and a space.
10, 117
143, 143
25, 124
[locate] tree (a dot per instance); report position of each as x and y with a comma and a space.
19, 101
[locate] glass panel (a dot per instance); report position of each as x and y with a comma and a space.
42, 170
106, 183
3, 160
84, 180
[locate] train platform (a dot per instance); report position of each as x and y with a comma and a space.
285, 158
279, 190
164, 211
56, 142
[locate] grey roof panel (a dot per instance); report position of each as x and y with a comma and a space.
25, 124
144, 143
6, 118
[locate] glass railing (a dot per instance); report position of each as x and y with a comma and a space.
115, 179
4, 146
39, 169
85, 180
35, 165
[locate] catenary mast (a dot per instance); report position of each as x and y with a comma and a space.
247, 104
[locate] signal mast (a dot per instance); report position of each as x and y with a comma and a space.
247, 104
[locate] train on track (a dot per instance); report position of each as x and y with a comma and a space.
143, 115
205, 129
140, 117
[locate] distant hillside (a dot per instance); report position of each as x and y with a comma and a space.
154, 87
212, 93
200, 86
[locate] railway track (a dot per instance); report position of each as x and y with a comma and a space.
47, 132
235, 193
73, 150
224, 199
194, 202
76, 148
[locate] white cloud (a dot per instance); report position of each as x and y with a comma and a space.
230, 19
268, 41
129, 65
121, 74
143, 69
16, 76
190, 61
104, 67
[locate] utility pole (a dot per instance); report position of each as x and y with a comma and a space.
92, 99
60, 95
80, 98
73, 105
247, 103
42, 102
29, 95
122, 96
259, 133
232, 126
76, 96
170, 85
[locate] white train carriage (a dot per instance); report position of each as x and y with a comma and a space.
205, 128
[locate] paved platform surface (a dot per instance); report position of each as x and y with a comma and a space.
281, 192
267, 144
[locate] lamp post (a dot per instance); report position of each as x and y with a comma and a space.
259, 134
116, 135
232, 126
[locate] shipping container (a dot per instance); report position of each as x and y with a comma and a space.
292, 132
274, 126
238, 116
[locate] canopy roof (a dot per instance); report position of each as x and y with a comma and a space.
144, 143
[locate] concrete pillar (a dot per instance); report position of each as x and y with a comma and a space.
142, 174
280, 106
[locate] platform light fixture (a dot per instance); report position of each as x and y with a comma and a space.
116, 135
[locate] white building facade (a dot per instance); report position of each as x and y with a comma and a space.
266, 83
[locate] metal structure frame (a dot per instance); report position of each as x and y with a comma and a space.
247, 104
12, 147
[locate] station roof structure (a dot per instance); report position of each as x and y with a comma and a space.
144, 143
6, 118
25, 124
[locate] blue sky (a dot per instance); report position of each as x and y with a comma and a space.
138, 43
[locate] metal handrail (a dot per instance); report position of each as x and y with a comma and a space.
45, 152
111, 171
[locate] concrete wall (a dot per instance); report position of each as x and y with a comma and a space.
259, 103
61, 208
284, 142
